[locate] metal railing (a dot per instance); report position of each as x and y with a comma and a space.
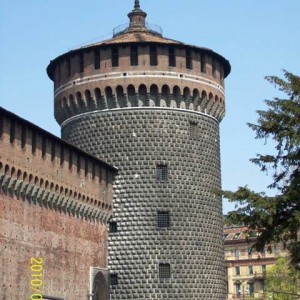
125, 28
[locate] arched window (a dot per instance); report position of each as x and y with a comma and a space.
131, 96
121, 97
100, 287
142, 95
238, 288
153, 95
88, 96
109, 97
97, 94
165, 93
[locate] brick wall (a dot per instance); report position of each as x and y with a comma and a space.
67, 245
55, 201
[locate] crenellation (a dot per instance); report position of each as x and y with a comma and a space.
44, 154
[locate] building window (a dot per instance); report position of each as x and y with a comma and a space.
225, 235
172, 57
68, 67
12, 132
237, 271
33, 141
134, 56
214, 68
162, 173
58, 73
1, 127
23, 136
163, 219
113, 227
188, 59
250, 251
78, 164
44, 146
203, 63
236, 253
70, 159
153, 56
81, 62
114, 56
250, 270
238, 288
221, 74
164, 271
86, 166
97, 59
62, 154
263, 268
113, 279
236, 236
52, 151
193, 130
263, 285
251, 287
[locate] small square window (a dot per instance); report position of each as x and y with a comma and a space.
161, 172
163, 219
164, 271
113, 227
113, 279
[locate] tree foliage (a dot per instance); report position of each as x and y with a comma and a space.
281, 281
277, 218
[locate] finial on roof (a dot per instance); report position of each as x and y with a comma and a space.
136, 4
137, 18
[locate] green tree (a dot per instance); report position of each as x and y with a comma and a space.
281, 281
277, 219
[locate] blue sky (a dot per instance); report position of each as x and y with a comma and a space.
258, 37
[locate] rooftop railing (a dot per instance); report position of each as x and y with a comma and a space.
121, 29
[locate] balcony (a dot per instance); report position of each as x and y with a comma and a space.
259, 275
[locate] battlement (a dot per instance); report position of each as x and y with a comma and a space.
42, 168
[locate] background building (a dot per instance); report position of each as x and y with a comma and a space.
151, 106
245, 267
55, 201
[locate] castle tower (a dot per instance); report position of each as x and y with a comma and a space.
151, 106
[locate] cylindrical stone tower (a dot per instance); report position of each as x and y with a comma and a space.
151, 106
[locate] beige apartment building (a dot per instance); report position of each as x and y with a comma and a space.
245, 267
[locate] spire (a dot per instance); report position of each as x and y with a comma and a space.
136, 4
137, 18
